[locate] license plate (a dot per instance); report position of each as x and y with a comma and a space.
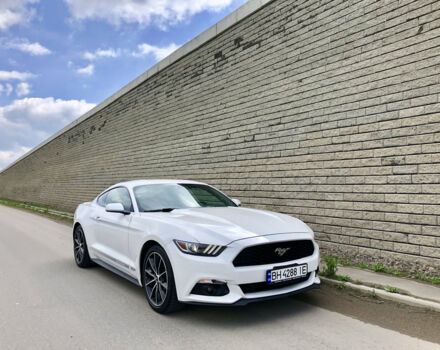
286, 273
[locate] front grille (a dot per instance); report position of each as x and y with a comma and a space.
267, 253
264, 286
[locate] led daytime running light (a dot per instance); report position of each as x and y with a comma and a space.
199, 248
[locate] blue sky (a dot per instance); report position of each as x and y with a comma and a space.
58, 58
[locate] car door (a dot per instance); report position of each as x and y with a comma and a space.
112, 233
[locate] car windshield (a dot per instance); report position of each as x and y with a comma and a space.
179, 196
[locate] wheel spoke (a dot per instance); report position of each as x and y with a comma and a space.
148, 283
152, 265
164, 285
162, 293
157, 288
78, 256
157, 260
149, 273
158, 265
152, 291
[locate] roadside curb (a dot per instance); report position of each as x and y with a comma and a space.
48, 211
40, 210
400, 298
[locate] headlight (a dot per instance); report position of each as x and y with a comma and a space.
199, 249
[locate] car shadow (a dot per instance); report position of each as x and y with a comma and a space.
233, 317
66, 268
224, 317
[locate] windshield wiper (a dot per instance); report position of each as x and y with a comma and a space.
164, 210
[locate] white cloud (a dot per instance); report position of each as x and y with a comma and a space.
23, 89
87, 70
36, 109
7, 157
14, 75
27, 122
35, 49
100, 53
142, 50
14, 12
8, 89
159, 53
144, 12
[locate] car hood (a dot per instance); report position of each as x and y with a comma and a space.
228, 224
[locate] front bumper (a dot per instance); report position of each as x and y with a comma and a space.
189, 270
246, 301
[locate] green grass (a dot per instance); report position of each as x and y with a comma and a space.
405, 274
37, 208
342, 278
363, 266
390, 289
340, 286
433, 279
382, 269
378, 268
331, 266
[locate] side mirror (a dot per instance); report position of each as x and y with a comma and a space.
237, 202
116, 208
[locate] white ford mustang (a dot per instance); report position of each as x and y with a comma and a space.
187, 242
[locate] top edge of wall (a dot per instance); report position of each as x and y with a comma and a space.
230, 20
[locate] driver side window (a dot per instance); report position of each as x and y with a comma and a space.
119, 195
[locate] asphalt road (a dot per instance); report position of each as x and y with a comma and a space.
46, 302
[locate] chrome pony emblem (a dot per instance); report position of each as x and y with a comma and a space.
281, 251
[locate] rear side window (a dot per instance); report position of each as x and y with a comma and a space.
117, 195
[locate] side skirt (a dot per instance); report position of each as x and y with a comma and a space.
116, 271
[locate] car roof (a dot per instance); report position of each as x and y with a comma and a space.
134, 183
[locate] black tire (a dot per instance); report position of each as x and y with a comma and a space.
80, 250
156, 266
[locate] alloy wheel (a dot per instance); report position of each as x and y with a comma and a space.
79, 245
156, 279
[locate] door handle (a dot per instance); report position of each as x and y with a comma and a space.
98, 218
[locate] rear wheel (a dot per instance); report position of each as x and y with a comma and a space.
158, 281
80, 251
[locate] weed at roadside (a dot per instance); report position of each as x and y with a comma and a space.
390, 289
331, 266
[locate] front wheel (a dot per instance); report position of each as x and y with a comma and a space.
80, 251
158, 281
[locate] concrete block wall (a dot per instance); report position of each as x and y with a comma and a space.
326, 110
